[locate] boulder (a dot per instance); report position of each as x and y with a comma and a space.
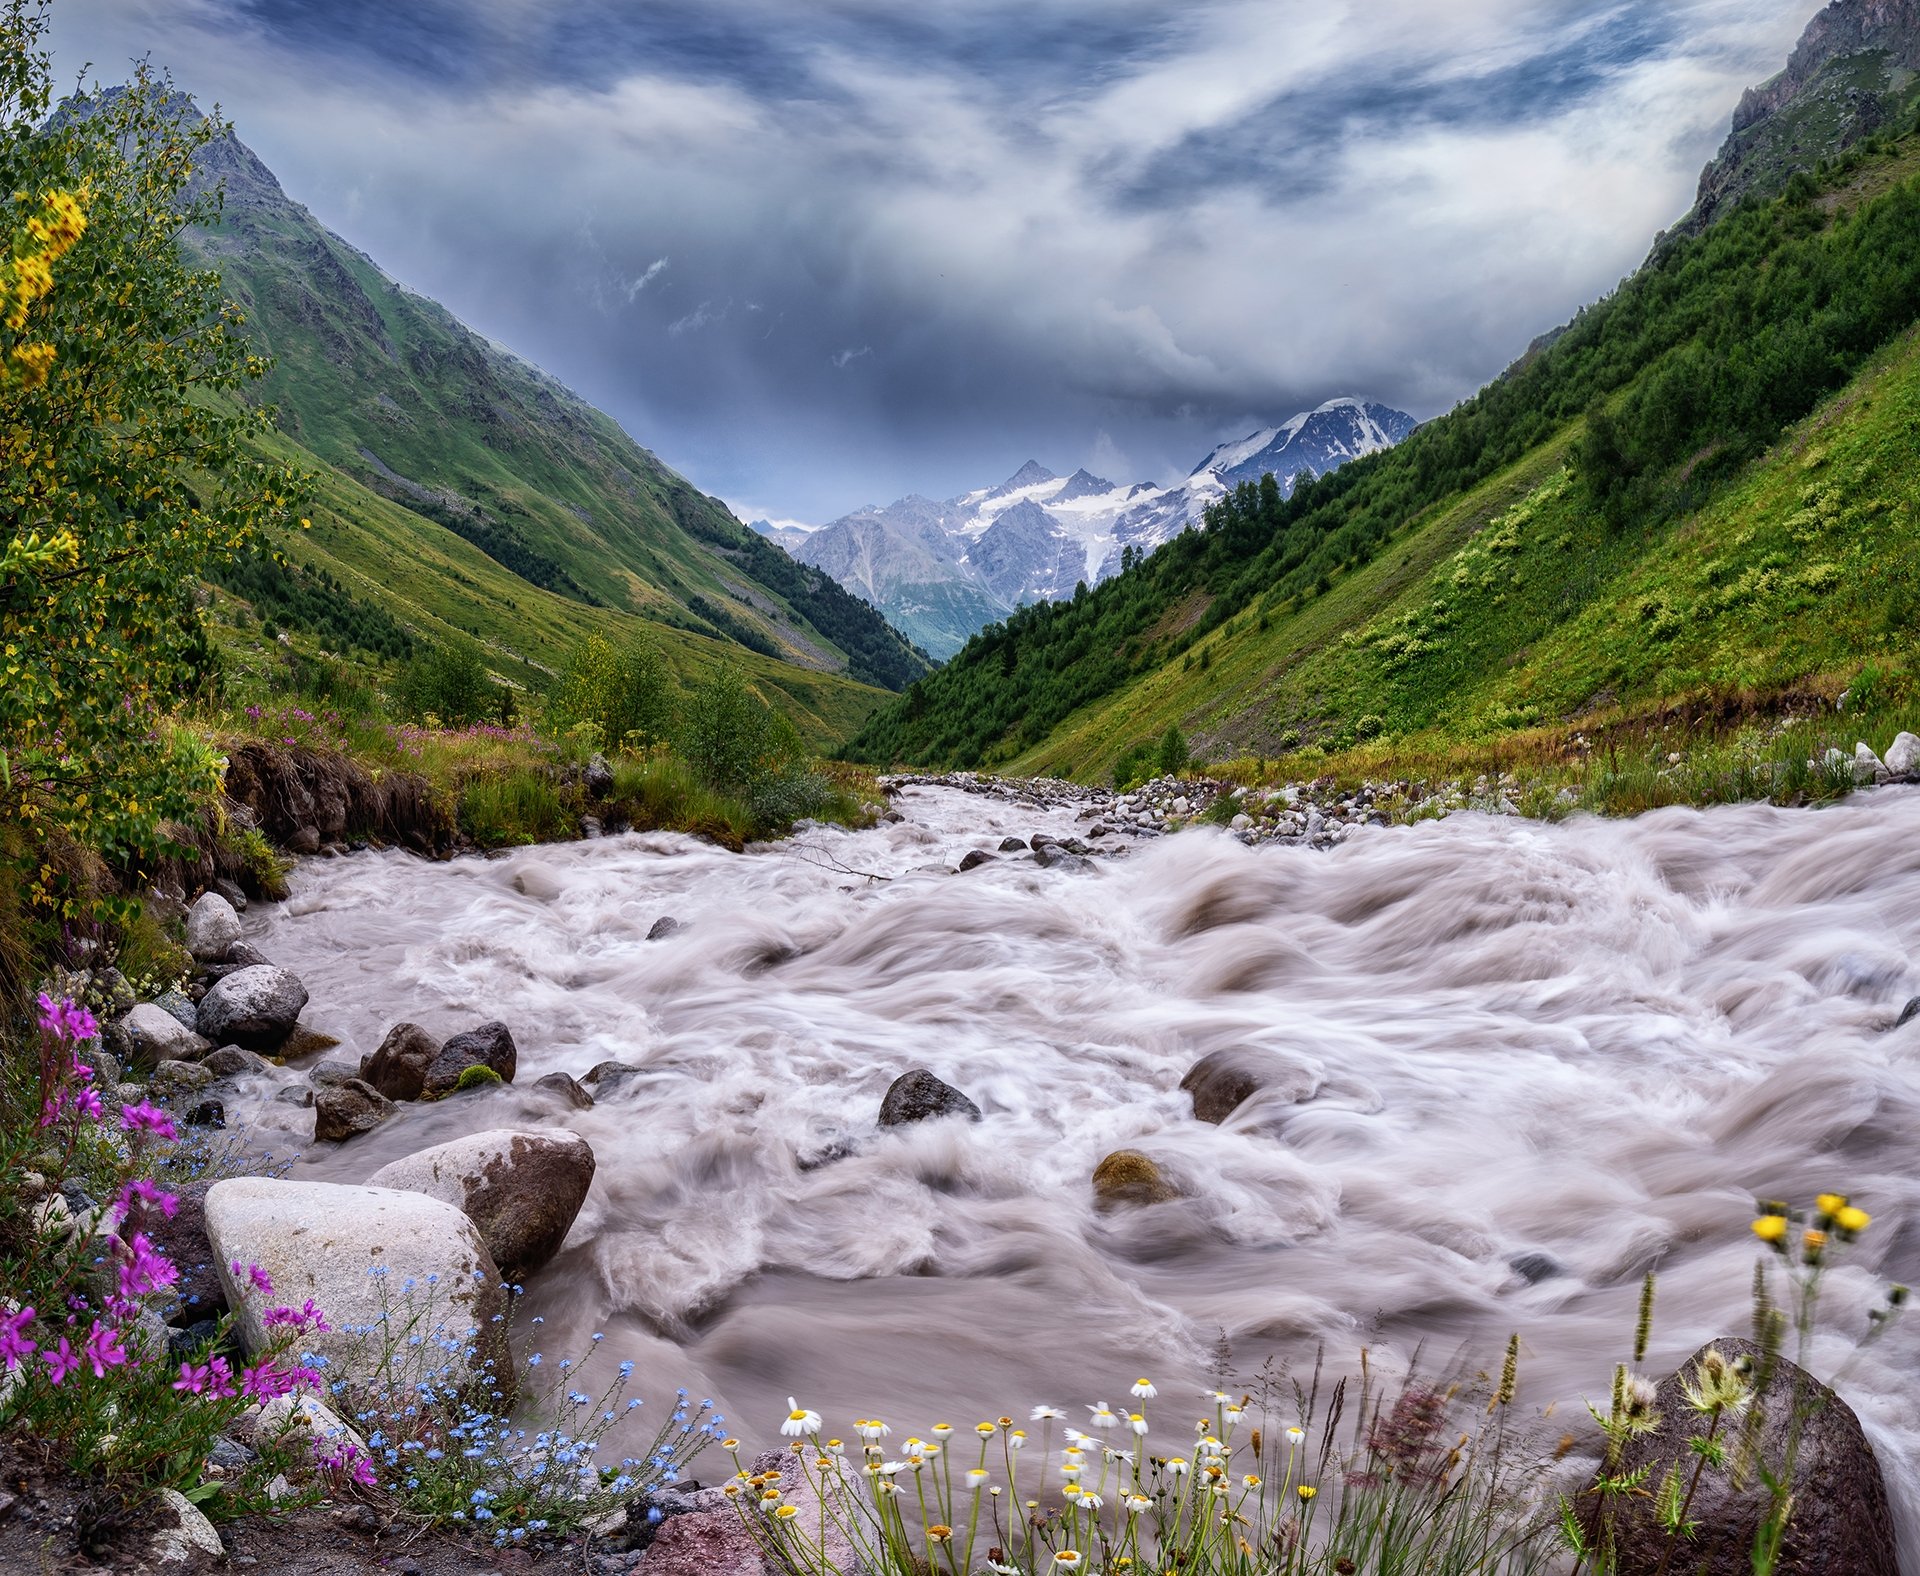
212, 927
200, 1292
305, 840
490, 1045
599, 776
398, 1069
230, 892
1908, 1013
1903, 755
190, 1537
918, 1096
178, 1005
1841, 1519
565, 1090
978, 857
230, 1061
664, 927
706, 1543
1013, 845
331, 1074
609, 1078
346, 1109
1221, 1081
245, 954
353, 1250
1057, 856
305, 1042
1868, 767
1128, 1177
522, 1189
255, 1007
178, 1078
208, 1113
153, 1035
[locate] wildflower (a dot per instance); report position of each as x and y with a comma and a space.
1296, 1434
1144, 1389
941, 1430
939, 1532
1103, 1416
1815, 1243
1251, 1480
261, 1281
142, 1191
1067, 1559
1136, 1422
787, 1512
799, 1420
1090, 1500
193, 1378
1135, 1503
1716, 1385
1771, 1229
1178, 1466
984, 1430
103, 1349
1306, 1491
1831, 1203
15, 1348
145, 1117
1017, 1439
60, 1360
871, 1428
1045, 1414
977, 1478
1851, 1221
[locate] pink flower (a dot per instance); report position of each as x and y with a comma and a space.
144, 1117
302, 1318
141, 1191
103, 1349
265, 1382
262, 1282
66, 1019
193, 1379
15, 1348
60, 1360
220, 1378
149, 1271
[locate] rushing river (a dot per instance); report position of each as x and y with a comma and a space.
1596, 1042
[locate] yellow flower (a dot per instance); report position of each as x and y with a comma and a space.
1771, 1228
1851, 1219
787, 1512
1831, 1203
1306, 1491
1814, 1241
939, 1532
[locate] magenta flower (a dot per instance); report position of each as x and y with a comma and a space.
220, 1378
66, 1020
103, 1349
144, 1117
142, 1191
148, 1271
85, 1103
15, 1348
193, 1379
265, 1382
60, 1360
301, 1318
262, 1282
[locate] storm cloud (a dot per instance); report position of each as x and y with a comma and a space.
818, 253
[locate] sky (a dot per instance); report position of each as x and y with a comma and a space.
822, 253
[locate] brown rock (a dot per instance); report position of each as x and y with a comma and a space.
345, 1109
1841, 1520
565, 1090
1128, 1177
201, 1292
707, 1543
1221, 1081
522, 1189
398, 1069
918, 1096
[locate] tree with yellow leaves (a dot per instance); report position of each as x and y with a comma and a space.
126, 466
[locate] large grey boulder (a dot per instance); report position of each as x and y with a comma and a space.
353, 1250
490, 1045
153, 1035
189, 1538
1841, 1520
918, 1096
522, 1189
347, 1109
212, 927
255, 1008
1903, 755
398, 1069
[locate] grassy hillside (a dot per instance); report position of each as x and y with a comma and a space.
1621, 522
424, 435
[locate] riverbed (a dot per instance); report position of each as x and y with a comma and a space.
1533, 1062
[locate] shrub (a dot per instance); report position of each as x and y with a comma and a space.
619, 694
449, 683
1172, 756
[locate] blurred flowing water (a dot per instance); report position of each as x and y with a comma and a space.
1596, 1042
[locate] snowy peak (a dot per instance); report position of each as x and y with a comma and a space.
943, 571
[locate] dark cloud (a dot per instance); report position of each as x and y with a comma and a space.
821, 252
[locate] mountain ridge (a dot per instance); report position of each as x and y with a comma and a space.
943, 570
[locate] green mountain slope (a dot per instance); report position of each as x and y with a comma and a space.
1521, 559
395, 402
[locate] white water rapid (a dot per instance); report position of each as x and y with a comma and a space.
1597, 1041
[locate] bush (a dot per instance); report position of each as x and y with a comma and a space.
735, 743
449, 683
619, 696
1172, 756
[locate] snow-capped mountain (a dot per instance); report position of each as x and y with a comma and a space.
943, 571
